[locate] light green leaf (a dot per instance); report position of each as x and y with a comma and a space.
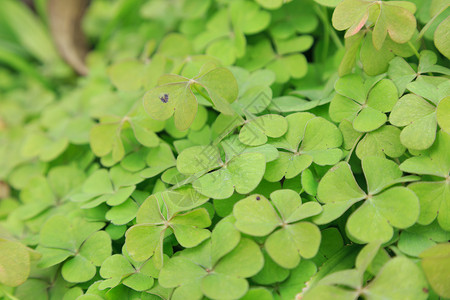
436, 263
398, 207
391, 283
220, 286
256, 216
78, 269
331, 188
369, 119
441, 39
14, 263
383, 141
442, 113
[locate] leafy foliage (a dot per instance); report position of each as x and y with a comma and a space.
246, 149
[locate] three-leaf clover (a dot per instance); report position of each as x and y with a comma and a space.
308, 139
388, 284
174, 95
80, 241
113, 187
257, 216
218, 179
363, 103
118, 269
434, 196
393, 18
416, 112
106, 137
160, 215
217, 268
384, 206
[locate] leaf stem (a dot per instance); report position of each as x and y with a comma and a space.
416, 53
427, 26
323, 17
353, 147
202, 94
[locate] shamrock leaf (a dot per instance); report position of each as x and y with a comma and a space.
75, 242
396, 19
158, 160
174, 95
255, 215
419, 115
119, 269
14, 262
402, 73
42, 194
365, 109
384, 207
160, 215
435, 263
242, 172
256, 131
308, 139
217, 268
442, 113
106, 137
388, 284
286, 62
416, 239
434, 196
380, 142
113, 187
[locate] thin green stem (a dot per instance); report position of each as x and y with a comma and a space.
324, 18
416, 53
427, 26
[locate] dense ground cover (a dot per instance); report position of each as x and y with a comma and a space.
227, 149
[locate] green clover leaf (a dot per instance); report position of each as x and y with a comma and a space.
119, 269
384, 207
396, 19
160, 215
217, 268
219, 179
255, 215
435, 263
417, 115
77, 243
256, 131
434, 196
365, 104
174, 95
308, 139
113, 187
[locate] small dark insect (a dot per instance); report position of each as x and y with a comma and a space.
164, 98
425, 290
258, 198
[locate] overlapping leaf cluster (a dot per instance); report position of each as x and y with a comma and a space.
228, 150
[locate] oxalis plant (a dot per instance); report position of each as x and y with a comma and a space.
246, 149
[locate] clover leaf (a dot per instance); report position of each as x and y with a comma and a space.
15, 261
77, 243
219, 179
174, 95
255, 215
418, 238
363, 103
106, 137
256, 131
285, 62
113, 187
434, 196
435, 263
384, 207
160, 215
217, 268
396, 19
308, 139
417, 114
348, 284
118, 269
